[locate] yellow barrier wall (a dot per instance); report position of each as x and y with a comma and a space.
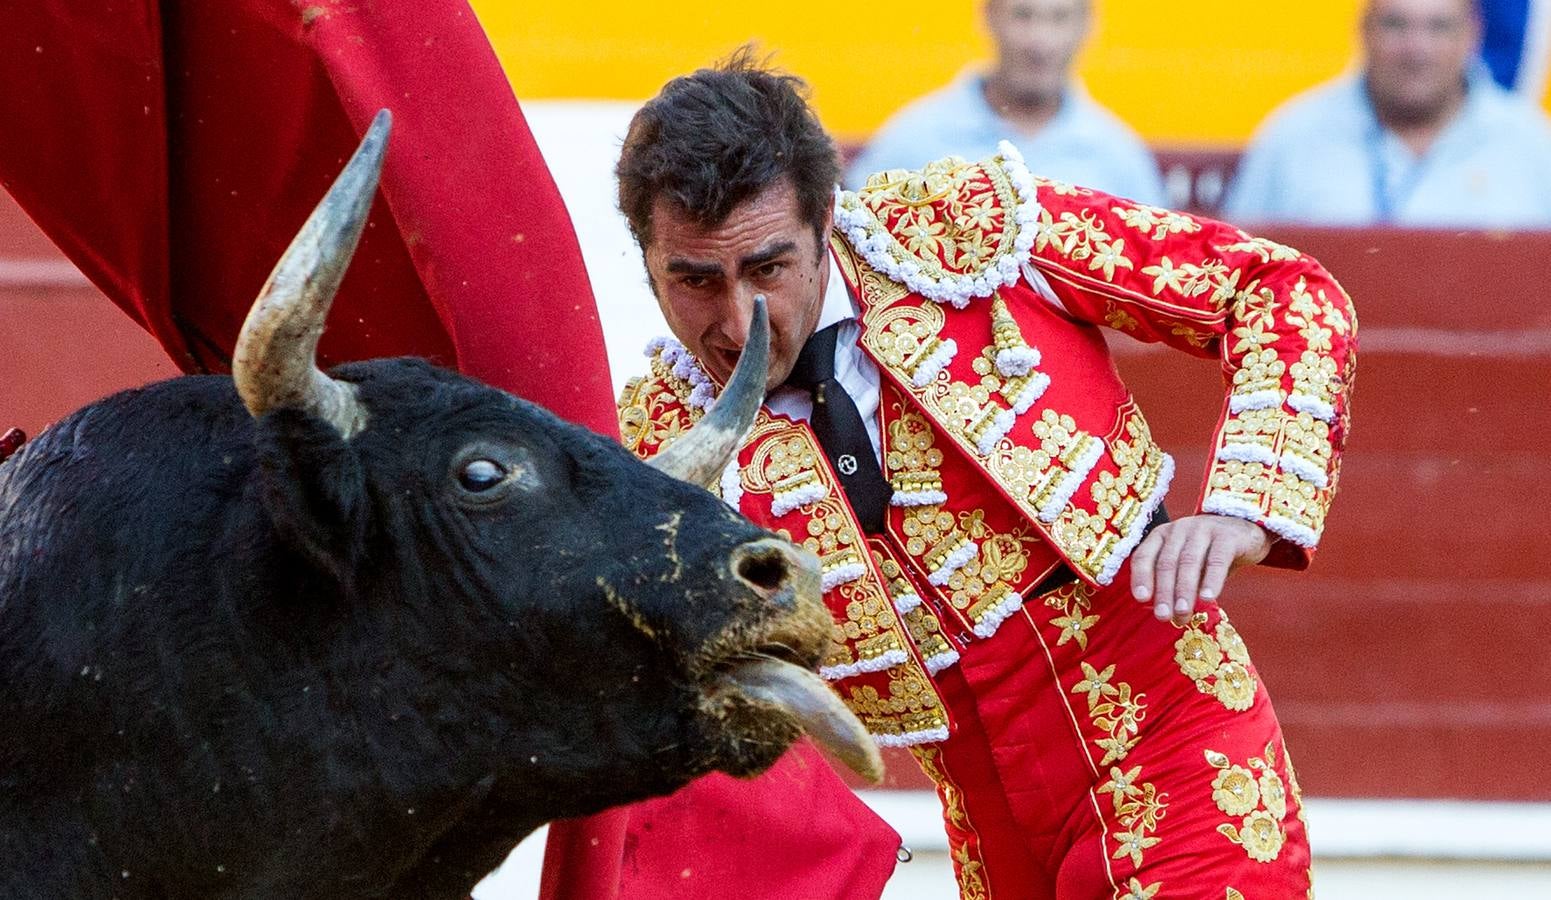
1181, 71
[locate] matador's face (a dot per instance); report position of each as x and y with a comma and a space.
706, 278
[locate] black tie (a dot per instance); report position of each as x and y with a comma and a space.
840, 430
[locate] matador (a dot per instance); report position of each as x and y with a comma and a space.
1010, 605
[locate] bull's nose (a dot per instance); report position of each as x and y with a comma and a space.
776, 570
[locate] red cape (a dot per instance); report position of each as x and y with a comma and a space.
172, 150
795, 832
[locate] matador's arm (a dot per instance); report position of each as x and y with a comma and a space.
1282, 327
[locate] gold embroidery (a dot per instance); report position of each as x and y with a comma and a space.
1061, 188
1082, 237
1234, 895
1259, 799
923, 626
911, 459
906, 340
1099, 540
783, 454
1290, 436
1113, 711
632, 407
1266, 250
1119, 319
1138, 807
1191, 280
979, 416
1073, 601
948, 219
1161, 222
968, 871
981, 583
1135, 890
1044, 477
654, 411
911, 706
1006, 335
930, 535
988, 578
785, 467
1219, 665
1195, 337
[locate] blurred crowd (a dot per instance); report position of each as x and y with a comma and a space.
1436, 124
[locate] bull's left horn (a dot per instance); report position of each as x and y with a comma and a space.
704, 451
275, 364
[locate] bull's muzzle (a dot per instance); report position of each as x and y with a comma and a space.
777, 671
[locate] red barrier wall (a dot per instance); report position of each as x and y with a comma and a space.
1414, 659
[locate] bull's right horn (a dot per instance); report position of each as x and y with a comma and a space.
275, 363
704, 451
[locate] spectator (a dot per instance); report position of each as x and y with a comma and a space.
1421, 136
1028, 97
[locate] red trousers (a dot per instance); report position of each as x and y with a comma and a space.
1100, 753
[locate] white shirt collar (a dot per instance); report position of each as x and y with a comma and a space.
838, 305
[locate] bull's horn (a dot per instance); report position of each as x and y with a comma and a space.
701, 454
808, 700
275, 364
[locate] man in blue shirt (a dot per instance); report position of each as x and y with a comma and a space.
1028, 97
1421, 137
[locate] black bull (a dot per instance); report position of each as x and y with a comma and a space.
355, 635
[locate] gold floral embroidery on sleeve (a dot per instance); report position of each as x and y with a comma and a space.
1081, 237
1218, 663
1275, 462
1160, 222
1254, 794
1267, 250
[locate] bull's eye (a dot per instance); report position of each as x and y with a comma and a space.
481, 475
485, 474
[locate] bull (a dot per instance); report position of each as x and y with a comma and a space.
356, 634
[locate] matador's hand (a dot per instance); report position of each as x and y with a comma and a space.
1190, 558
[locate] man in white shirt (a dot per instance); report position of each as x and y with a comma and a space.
1029, 98
1420, 137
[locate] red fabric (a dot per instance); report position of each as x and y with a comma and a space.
1097, 768
172, 150
11, 442
796, 831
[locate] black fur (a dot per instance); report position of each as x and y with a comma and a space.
247, 659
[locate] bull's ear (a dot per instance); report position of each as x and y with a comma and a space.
315, 491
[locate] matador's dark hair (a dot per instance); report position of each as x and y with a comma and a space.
713, 139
